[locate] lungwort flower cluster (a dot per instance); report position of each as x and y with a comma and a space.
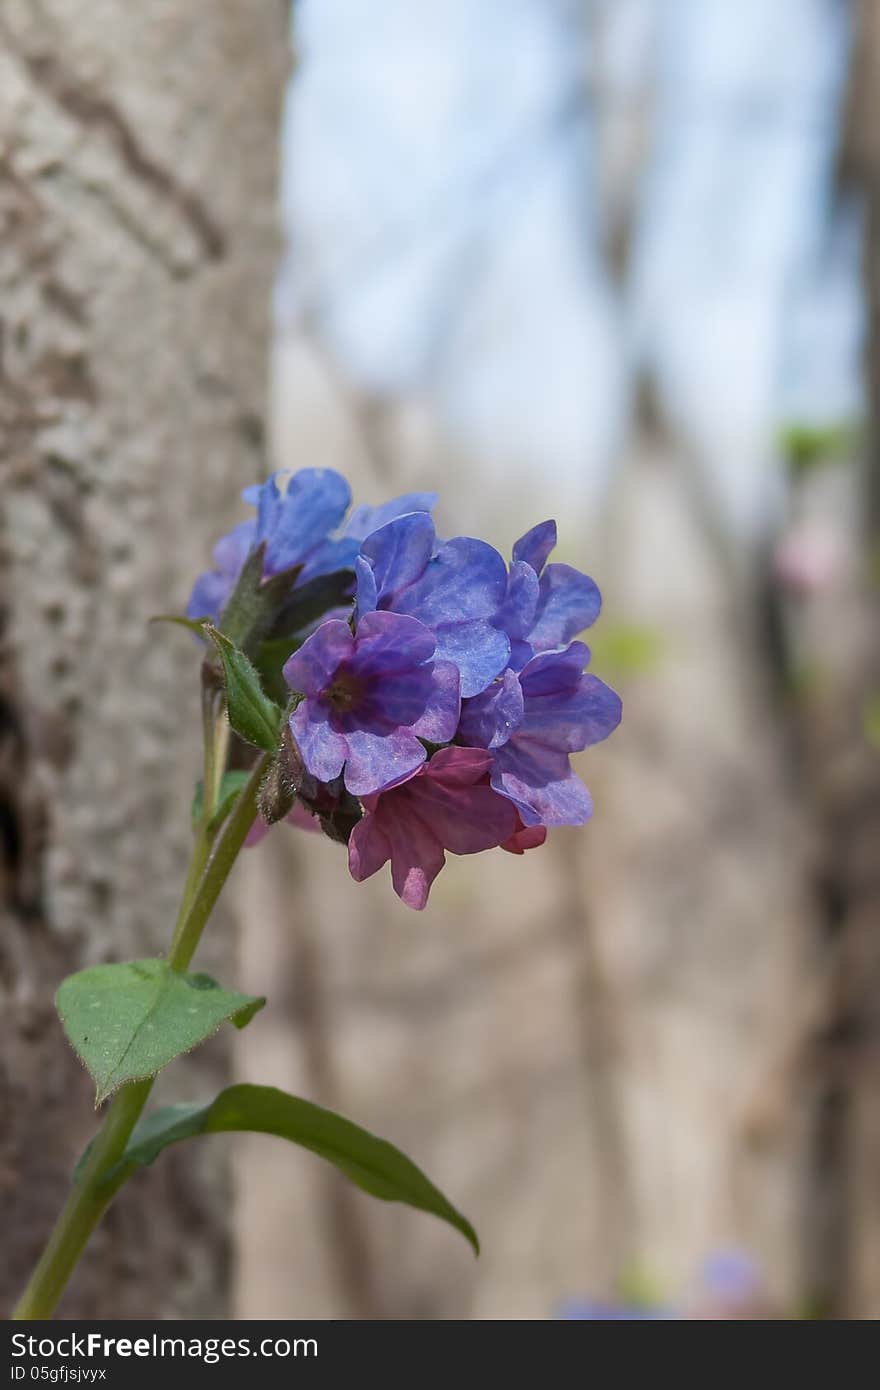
434, 701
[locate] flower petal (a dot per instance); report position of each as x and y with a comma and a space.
535, 546
375, 760
232, 550
459, 767
492, 717
314, 504
391, 642
209, 596
571, 720
527, 837
328, 557
312, 668
477, 648
365, 520
398, 553
440, 719
267, 498
569, 602
465, 579
554, 671
541, 785
322, 749
367, 591
516, 616
368, 848
465, 820
416, 859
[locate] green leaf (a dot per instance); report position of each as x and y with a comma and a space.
269, 658
230, 786
305, 604
127, 1021
312, 600
371, 1163
255, 603
253, 716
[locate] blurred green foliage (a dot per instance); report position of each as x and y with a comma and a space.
871, 722
807, 447
623, 650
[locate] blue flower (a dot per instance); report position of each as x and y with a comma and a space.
301, 527
532, 721
365, 520
370, 696
545, 606
455, 588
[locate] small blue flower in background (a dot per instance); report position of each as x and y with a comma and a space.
730, 1287
594, 1310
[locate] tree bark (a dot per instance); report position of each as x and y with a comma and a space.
137, 246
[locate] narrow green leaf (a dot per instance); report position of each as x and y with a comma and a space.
253, 716
243, 610
127, 1021
371, 1163
230, 786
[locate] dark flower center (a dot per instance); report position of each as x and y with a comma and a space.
345, 692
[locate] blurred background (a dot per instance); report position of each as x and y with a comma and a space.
612, 261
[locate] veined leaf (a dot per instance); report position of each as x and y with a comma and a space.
127, 1021
371, 1163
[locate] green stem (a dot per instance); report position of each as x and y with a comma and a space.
91, 1196
84, 1207
223, 856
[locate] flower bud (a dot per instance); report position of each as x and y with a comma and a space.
285, 779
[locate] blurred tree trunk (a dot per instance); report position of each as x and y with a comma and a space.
138, 150
844, 769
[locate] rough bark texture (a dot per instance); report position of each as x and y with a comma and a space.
137, 245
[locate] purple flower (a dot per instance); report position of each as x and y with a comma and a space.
445, 805
454, 588
544, 606
533, 721
369, 698
300, 526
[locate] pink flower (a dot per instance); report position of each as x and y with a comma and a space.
525, 837
446, 804
808, 559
